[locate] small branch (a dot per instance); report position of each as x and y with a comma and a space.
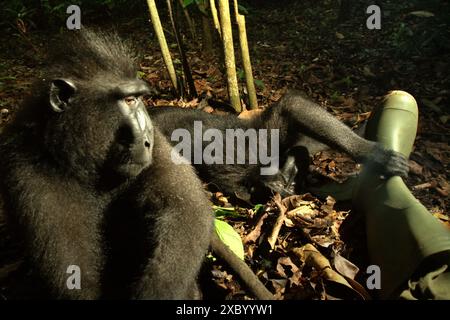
189, 20
426, 185
272, 239
182, 51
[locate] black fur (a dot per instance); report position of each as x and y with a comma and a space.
304, 128
136, 236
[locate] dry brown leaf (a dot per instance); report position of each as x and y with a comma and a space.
312, 257
253, 235
415, 168
345, 267
339, 35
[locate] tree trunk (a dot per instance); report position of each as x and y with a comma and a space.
162, 43
230, 65
240, 19
212, 5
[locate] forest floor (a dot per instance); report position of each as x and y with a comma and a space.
347, 69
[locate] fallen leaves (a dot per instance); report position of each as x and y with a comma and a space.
272, 246
311, 257
334, 165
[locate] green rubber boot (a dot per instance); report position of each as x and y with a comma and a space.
402, 235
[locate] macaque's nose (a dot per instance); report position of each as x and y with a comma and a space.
126, 136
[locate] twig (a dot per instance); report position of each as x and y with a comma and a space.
182, 51
272, 239
426, 185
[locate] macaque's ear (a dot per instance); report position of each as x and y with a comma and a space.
61, 90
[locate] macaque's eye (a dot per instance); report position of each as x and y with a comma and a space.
130, 101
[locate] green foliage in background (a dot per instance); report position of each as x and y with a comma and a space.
33, 14
424, 27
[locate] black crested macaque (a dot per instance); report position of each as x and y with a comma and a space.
303, 129
88, 181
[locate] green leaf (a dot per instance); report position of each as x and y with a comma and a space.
140, 74
257, 208
226, 212
202, 6
335, 96
240, 74
444, 119
187, 3
242, 10
230, 237
259, 84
